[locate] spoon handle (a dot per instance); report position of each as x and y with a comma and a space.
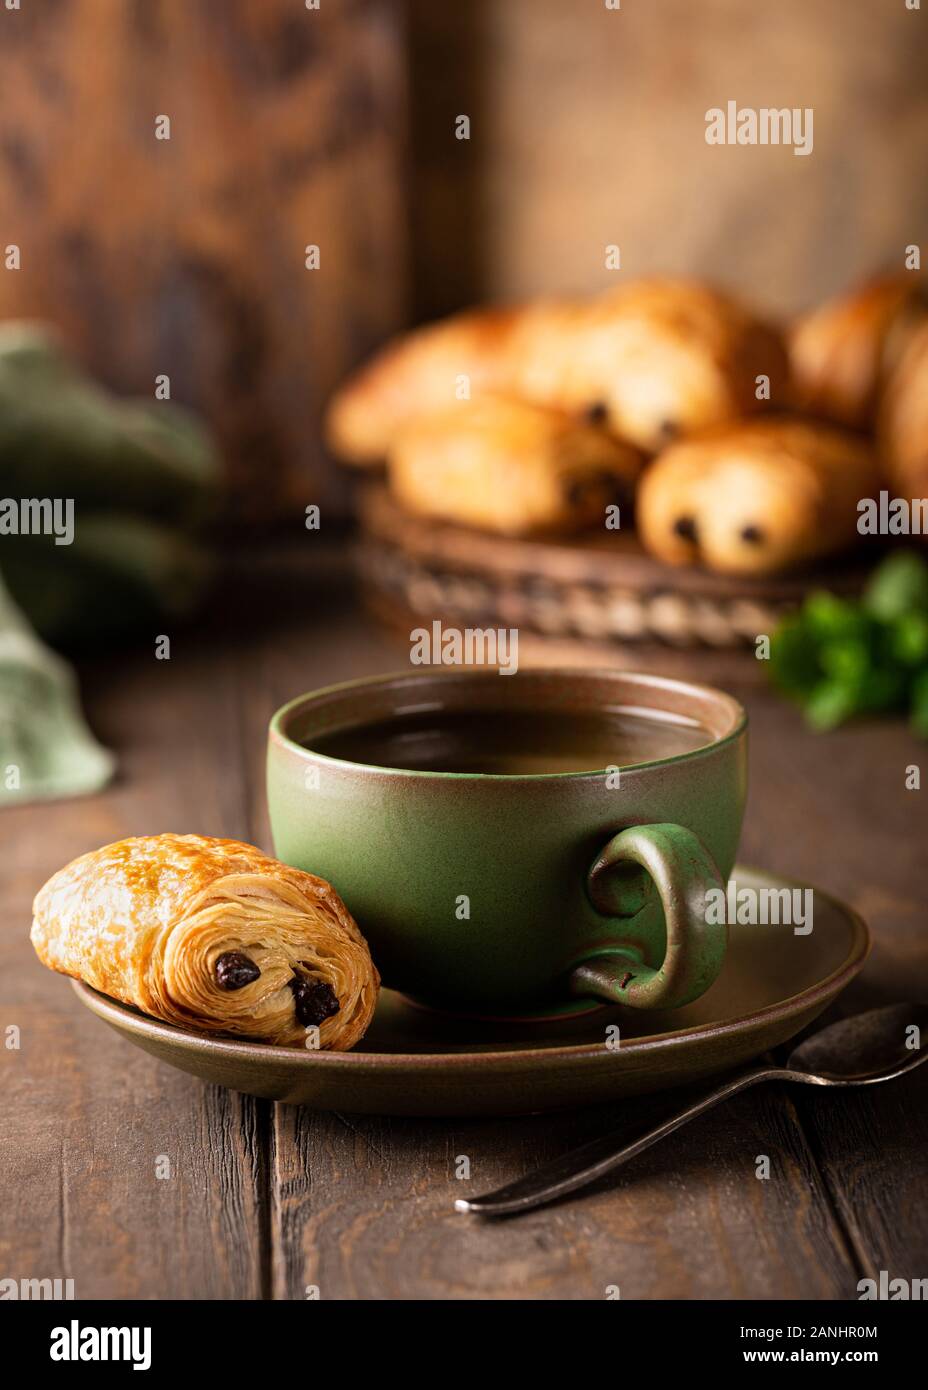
584, 1165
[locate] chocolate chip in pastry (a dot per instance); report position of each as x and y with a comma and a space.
212, 935
650, 360
660, 358
507, 466
756, 498
597, 413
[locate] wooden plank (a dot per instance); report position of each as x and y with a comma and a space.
89, 1115
187, 255
872, 1150
364, 1209
836, 810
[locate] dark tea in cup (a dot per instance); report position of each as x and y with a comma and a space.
503, 742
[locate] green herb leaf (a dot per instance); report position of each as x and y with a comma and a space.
898, 587
839, 658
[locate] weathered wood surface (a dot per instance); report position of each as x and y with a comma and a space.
85, 1121
267, 1200
186, 256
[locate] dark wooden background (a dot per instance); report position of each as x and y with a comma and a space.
336, 126
266, 1199
186, 256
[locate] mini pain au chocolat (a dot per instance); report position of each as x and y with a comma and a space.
902, 423
510, 467
212, 935
756, 498
649, 361
843, 353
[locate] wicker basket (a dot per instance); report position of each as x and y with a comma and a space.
601, 593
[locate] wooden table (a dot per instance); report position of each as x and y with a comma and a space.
264, 1200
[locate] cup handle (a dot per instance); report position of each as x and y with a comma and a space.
683, 871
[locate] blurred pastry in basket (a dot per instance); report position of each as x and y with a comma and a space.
510, 467
648, 362
902, 429
843, 353
756, 498
419, 373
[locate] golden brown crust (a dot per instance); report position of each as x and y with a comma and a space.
903, 419
654, 358
663, 357
421, 372
842, 353
510, 467
145, 921
756, 498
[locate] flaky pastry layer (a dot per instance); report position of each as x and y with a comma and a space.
174, 924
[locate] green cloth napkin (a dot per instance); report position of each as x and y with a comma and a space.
46, 748
139, 478
62, 435
142, 477
122, 574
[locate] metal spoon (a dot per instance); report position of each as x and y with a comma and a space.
860, 1051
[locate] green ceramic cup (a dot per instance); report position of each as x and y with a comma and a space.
575, 890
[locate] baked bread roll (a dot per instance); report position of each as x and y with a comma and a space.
510, 467
902, 427
419, 373
842, 353
756, 498
649, 361
213, 935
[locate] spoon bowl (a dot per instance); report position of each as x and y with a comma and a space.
866, 1048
